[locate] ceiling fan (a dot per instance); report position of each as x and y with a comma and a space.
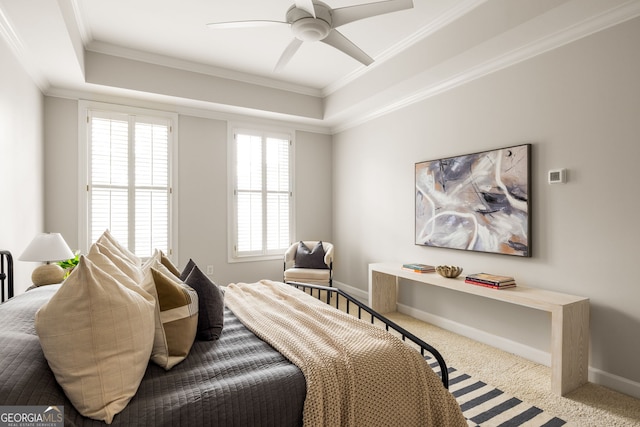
313, 20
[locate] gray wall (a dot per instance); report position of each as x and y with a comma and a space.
579, 106
201, 189
21, 163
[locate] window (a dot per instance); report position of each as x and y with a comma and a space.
261, 194
128, 175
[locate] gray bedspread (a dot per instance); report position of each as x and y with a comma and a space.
238, 380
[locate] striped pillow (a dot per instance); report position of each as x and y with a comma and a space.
176, 316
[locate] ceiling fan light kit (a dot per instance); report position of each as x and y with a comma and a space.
312, 20
307, 28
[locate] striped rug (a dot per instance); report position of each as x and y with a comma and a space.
486, 406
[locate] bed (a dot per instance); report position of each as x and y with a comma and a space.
237, 380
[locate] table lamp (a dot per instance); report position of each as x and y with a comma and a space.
47, 247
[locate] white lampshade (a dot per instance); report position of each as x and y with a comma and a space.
47, 247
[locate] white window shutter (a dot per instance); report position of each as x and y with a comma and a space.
129, 180
151, 183
109, 177
262, 194
277, 177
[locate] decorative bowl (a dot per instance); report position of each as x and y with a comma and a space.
449, 271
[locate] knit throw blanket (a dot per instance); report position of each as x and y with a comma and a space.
356, 373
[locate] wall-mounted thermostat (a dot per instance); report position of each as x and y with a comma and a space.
557, 176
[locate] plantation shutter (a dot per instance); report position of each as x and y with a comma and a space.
262, 194
129, 185
277, 188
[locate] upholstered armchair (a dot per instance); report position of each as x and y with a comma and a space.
309, 261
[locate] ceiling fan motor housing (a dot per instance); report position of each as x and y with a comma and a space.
307, 28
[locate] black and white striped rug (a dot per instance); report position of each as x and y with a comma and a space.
486, 406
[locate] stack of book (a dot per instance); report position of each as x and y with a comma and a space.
419, 268
491, 280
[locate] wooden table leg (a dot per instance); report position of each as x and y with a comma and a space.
570, 347
383, 292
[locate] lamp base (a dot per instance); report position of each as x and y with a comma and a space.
47, 274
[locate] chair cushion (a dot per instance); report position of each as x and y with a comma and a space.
310, 258
96, 333
307, 275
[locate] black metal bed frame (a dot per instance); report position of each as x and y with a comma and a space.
8, 276
406, 335
305, 287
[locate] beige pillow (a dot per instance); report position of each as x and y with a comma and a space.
170, 266
116, 247
124, 264
176, 315
97, 335
99, 257
157, 261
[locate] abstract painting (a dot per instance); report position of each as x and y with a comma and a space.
476, 202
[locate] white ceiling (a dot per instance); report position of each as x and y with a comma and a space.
178, 29
418, 52
159, 30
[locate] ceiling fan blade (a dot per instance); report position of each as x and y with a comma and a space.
243, 24
307, 6
344, 15
340, 42
288, 53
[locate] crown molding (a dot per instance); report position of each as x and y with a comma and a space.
189, 107
105, 48
155, 59
79, 15
442, 21
453, 78
13, 40
9, 34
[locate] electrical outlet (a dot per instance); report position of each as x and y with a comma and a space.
209, 269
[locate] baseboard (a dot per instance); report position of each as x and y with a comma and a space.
596, 376
521, 350
362, 296
615, 382
501, 343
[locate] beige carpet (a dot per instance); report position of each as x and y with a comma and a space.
590, 405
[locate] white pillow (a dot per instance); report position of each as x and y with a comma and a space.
97, 335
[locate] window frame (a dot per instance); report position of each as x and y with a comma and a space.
232, 221
85, 108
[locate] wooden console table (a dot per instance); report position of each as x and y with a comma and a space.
569, 316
